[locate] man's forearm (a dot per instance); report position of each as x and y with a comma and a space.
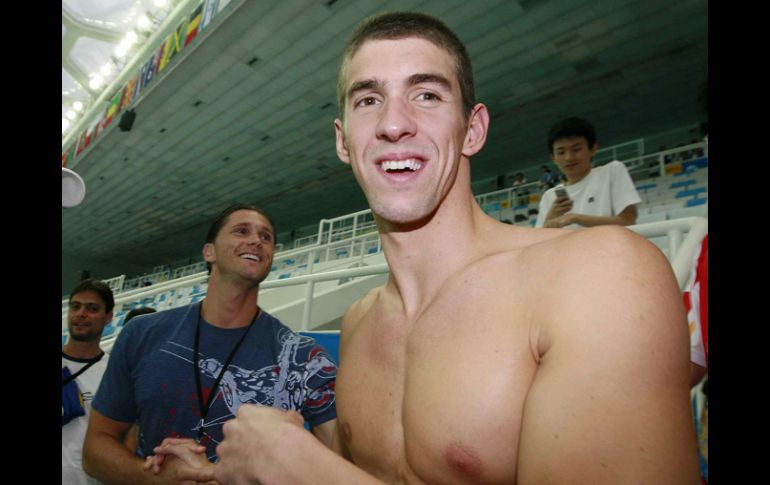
108, 460
590, 221
323, 465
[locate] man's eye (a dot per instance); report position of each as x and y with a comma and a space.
428, 97
92, 308
367, 101
267, 237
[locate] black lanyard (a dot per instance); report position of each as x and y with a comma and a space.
204, 408
82, 369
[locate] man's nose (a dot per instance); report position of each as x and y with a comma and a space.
396, 121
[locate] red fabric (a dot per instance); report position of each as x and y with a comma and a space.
702, 275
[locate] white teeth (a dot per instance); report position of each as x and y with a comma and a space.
411, 164
252, 257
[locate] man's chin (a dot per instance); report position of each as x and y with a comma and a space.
85, 337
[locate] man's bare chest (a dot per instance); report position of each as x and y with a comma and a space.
440, 401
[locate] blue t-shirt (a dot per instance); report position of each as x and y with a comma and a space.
150, 376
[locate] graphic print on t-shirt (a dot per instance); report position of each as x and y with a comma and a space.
295, 382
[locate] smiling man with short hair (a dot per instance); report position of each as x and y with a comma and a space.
182, 373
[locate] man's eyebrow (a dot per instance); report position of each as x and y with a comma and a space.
363, 85
421, 78
259, 227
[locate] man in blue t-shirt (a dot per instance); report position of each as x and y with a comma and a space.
182, 373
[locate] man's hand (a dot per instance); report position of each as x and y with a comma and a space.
561, 221
180, 455
560, 206
256, 447
556, 214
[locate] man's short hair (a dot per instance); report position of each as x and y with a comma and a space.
138, 311
572, 127
98, 287
221, 220
401, 25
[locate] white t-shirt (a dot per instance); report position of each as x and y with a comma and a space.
74, 432
605, 191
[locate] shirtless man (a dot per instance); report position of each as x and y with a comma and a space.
494, 353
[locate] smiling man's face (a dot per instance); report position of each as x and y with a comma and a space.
404, 127
244, 246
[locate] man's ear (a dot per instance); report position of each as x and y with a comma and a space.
208, 253
476, 135
342, 146
594, 149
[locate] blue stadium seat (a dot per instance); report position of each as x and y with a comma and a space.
695, 202
682, 183
372, 250
645, 187
696, 164
690, 193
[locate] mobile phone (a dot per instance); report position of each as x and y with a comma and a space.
561, 192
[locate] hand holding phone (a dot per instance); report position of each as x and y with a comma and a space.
561, 192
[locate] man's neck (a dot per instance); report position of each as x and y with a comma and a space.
421, 259
228, 305
82, 350
577, 178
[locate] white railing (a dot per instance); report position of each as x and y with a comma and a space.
148, 279
621, 151
509, 195
681, 250
693, 151
189, 269
116, 283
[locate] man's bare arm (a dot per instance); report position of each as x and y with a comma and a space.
106, 457
325, 432
627, 217
610, 400
268, 445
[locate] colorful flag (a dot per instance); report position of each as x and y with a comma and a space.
68, 155
173, 45
208, 13
97, 127
149, 70
194, 25
82, 142
113, 109
128, 93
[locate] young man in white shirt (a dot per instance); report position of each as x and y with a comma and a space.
591, 196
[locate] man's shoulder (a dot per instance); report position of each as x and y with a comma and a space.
160, 320
613, 166
593, 251
358, 309
606, 279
